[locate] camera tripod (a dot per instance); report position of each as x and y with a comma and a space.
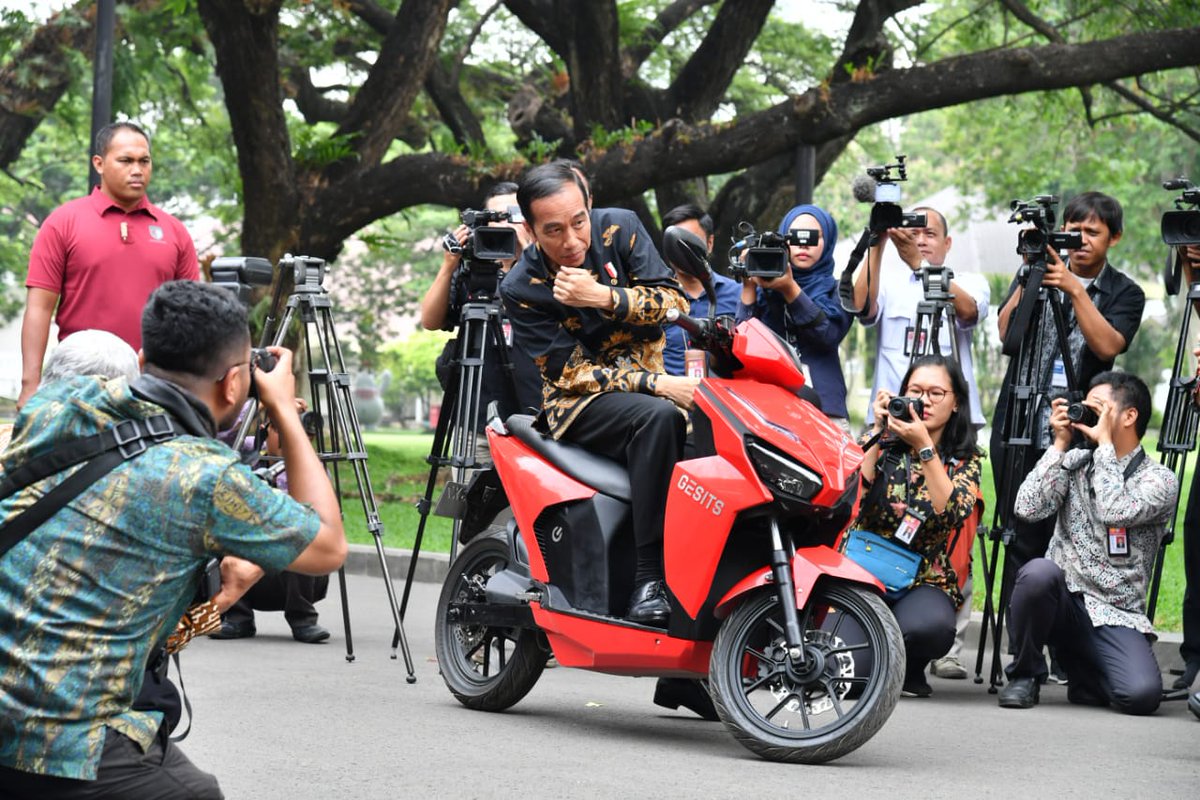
1020, 439
339, 436
455, 439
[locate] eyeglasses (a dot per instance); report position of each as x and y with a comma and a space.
935, 394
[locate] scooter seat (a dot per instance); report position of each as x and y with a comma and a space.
600, 472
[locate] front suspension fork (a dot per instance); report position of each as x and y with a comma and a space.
781, 570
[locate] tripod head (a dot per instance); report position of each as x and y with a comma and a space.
935, 282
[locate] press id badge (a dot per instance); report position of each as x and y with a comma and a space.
1058, 375
507, 326
909, 525
1118, 542
909, 333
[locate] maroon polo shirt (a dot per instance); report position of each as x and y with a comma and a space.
104, 262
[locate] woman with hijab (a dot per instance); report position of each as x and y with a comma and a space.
802, 306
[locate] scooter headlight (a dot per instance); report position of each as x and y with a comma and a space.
782, 474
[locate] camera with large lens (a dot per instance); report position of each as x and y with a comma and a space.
1084, 415
906, 408
1182, 226
480, 270
766, 254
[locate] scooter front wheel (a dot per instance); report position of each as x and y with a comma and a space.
488, 668
822, 707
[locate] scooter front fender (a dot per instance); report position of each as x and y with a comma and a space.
808, 565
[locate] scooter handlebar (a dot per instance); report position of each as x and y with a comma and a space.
690, 324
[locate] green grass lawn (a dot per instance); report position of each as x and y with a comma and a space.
399, 472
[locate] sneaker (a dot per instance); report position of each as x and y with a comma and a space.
1020, 693
949, 667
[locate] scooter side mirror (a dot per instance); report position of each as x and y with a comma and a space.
687, 253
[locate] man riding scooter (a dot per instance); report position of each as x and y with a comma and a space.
588, 308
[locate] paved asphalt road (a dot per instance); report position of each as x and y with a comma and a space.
279, 719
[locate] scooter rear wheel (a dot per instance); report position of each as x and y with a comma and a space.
485, 667
828, 706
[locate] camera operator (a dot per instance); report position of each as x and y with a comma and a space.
929, 479
1102, 316
1087, 597
802, 306
439, 312
86, 595
891, 296
588, 305
693, 218
1189, 649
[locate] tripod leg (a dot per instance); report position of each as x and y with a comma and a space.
345, 613
989, 579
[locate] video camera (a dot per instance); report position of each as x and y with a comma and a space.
1180, 228
1040, 212
241, 274
883, 188
485, 248
766, 253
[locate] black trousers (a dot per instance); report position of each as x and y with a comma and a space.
646, 434
163, 772
1190, 649
1109, 661
927, 619
290, 592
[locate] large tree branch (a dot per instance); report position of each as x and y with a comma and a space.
1023, 13
38, 75
245, 38
380, 106
865, 43
538, 16
593, 63
442, 87
670, 18
697, 90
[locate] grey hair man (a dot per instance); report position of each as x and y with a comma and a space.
91, 352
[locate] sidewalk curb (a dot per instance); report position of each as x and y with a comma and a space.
432, 568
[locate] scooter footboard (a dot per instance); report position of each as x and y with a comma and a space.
808, 565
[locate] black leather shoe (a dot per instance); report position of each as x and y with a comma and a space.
691, 694
234, 630
310, 634
649, 605
1081, 695
1020, 693
1185, 681
1194, 704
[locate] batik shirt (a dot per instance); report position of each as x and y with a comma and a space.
583, 352
84, 597
1089, 492
907, 488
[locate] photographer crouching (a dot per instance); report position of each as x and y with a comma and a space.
1087, 597
922, 478
98, 565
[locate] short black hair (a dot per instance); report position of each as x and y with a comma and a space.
1095, 204
585, 181
958, 437
683, 213
105, 135
194, 328
546, 180
501, 188
1129, 391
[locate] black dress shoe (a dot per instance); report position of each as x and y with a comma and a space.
1020, 693
234, 630
649, 605
310, 634
691, 694
1080, 695
1185, 681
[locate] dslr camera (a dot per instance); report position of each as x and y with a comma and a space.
486, 246
887, 213
906, 408
766, 254
1084, 415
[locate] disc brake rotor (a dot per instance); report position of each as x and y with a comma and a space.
816, 697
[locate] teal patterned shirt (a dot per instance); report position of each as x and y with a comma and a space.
84, 598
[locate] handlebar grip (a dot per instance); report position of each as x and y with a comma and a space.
689, 324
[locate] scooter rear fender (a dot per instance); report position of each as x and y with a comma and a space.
808, 565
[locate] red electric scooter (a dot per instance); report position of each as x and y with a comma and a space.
804, 662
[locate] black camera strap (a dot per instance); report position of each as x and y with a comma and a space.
846, 282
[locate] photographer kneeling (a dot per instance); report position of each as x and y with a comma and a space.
1087, 597
88, 592
922, 479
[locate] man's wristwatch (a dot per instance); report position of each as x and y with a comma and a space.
926, 454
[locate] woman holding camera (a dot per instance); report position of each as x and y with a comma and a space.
922, 483
802, 306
